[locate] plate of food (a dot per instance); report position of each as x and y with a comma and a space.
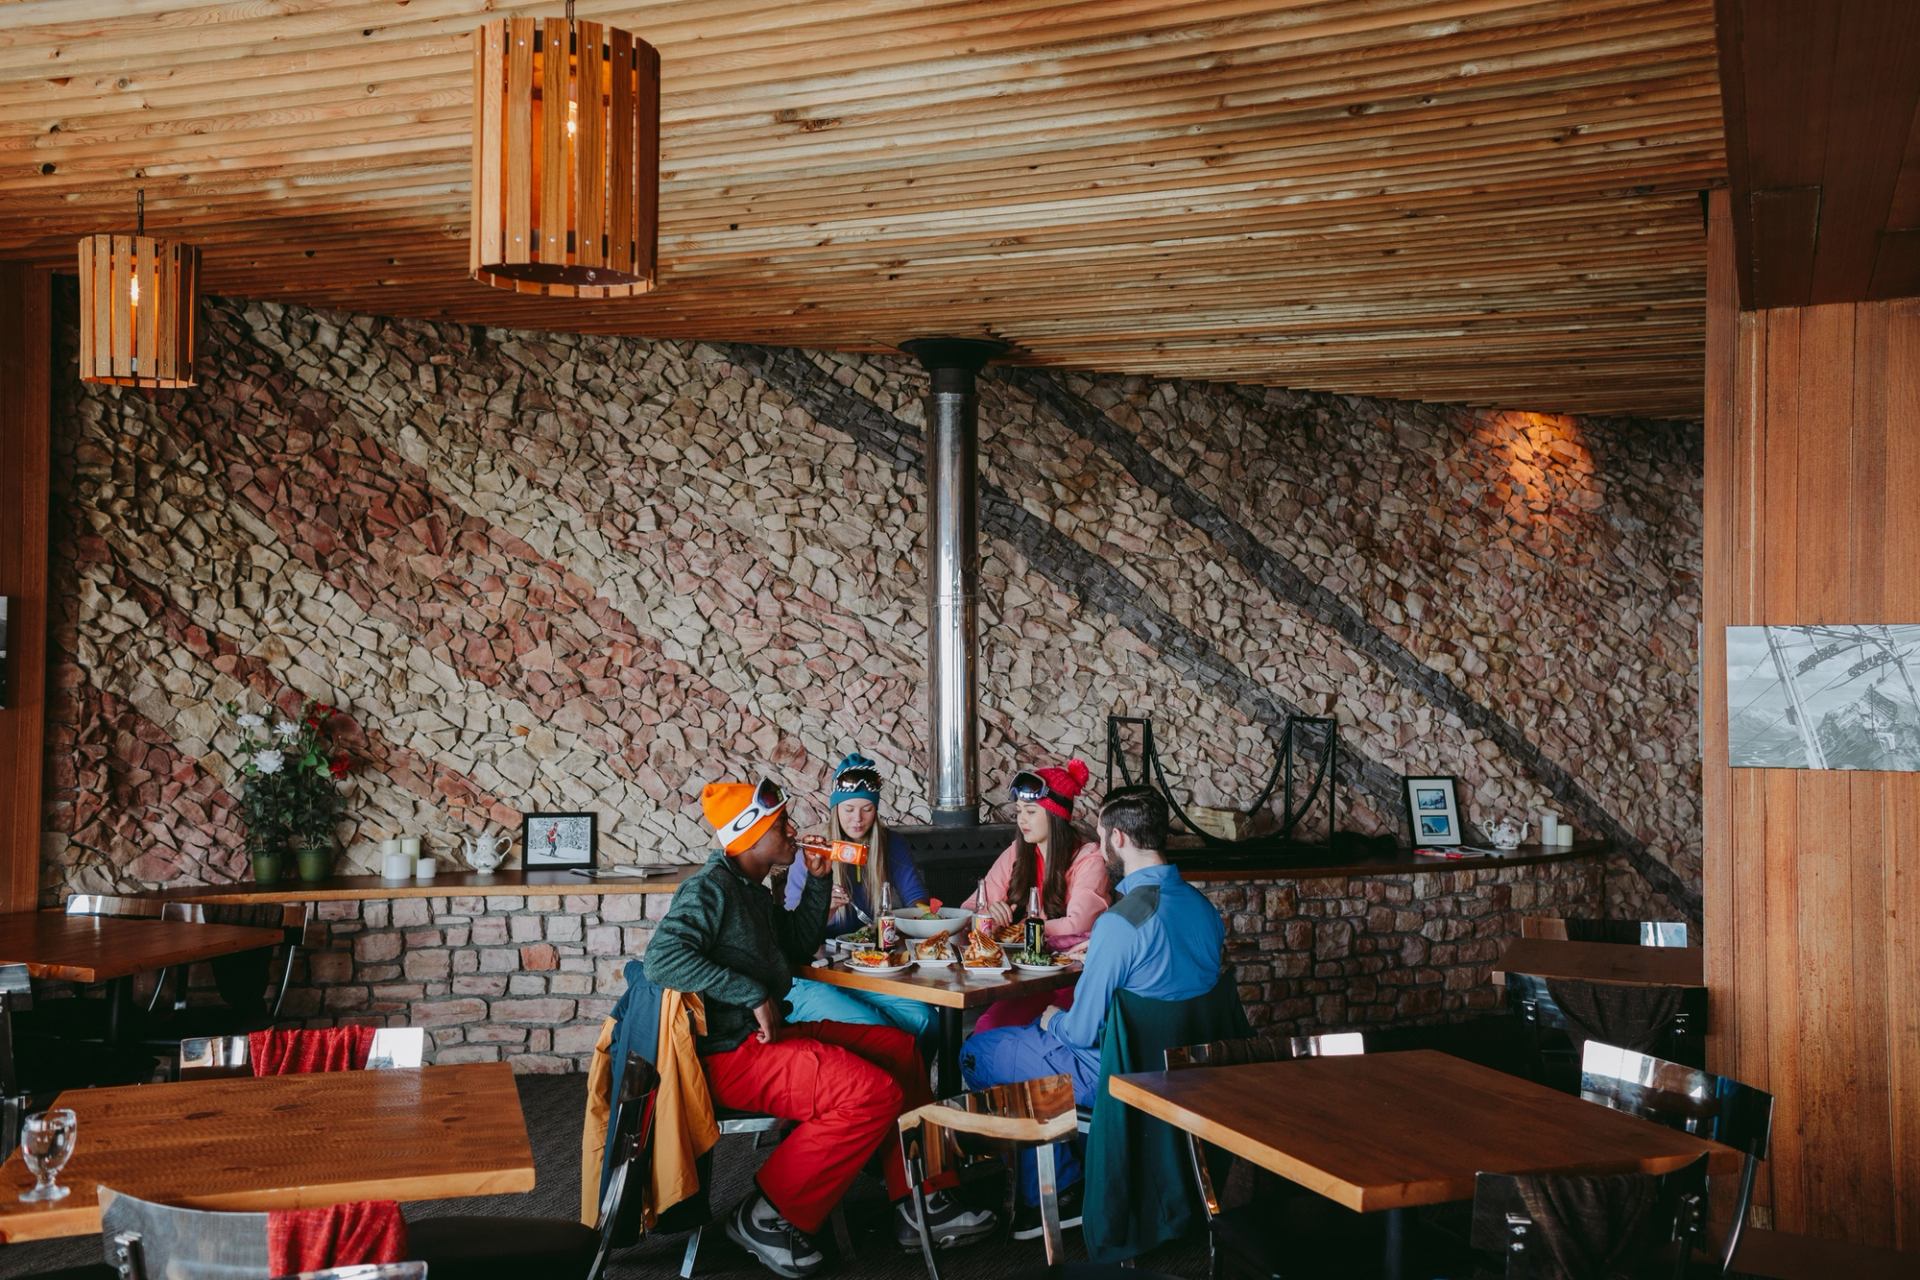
1012, 931
1038, 962
879, 963
983, 955
937, 948
925, 922
860, 939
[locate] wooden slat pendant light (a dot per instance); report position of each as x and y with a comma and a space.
138, 298
566, 158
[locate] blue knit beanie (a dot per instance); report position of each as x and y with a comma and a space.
855, 778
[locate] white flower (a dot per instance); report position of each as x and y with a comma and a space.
268, 761
286, 731
250, 721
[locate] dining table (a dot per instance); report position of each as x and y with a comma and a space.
1387, 1132
950, 988
283, 1142
1617, 963
114, 949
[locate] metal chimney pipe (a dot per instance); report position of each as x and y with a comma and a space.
953, 559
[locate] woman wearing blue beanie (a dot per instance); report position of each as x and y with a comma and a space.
855, 805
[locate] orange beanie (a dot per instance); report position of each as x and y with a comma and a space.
725, 802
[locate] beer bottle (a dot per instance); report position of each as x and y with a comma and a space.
854, 855
1036, 924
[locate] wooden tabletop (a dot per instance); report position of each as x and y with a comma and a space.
448, 884
53, 944
946, 985
1200, 863
1389, 1130
284, 1142
1615, 962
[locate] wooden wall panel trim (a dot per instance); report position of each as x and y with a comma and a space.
1868, 1187
1717, 569
1901, 871
26, 359
1779, 853
1778, 494
1822, 441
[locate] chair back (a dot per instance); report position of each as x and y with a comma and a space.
1718, 1108
623, 1203
147, 1241
253, 984
16, 993
1575, 1227
219, 1057
366, 1271
1240, 1052
107, 904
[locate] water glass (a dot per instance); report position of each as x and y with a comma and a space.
46, 1140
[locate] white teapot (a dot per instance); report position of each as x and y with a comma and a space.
1507, 836
486, 851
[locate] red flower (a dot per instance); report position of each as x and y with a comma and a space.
341, 765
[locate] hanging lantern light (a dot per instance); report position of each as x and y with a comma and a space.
566, 158
138, 301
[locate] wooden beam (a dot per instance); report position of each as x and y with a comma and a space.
26, 367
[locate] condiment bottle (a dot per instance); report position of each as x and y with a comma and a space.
1036, 924
885, 931
854, 855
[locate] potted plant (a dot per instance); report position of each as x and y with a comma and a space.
290, 795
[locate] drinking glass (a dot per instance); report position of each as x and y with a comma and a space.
46, 1140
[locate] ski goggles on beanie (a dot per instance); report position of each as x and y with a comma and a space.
740, 814
857, 778
1033, 789
1052, 788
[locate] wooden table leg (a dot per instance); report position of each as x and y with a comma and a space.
948, 1060
119, 1010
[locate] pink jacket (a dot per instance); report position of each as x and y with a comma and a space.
1088, 894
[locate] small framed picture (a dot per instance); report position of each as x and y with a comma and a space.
558, 841
1433, 812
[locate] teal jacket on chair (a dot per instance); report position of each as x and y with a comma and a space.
1139, 1174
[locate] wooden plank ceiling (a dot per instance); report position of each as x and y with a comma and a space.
1489, 201
1823, 148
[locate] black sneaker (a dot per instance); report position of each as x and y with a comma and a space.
1026, 1217
781, 1247
950, 1223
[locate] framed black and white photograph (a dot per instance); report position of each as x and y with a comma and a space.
1831, 696
558, 841
1433, 811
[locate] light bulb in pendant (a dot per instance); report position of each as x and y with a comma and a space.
133, 283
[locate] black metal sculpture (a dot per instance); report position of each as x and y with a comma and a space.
1294, 738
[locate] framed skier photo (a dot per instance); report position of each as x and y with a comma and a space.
559, 841
1433, 812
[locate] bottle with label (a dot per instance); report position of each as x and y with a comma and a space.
854, 855
885, 931
1036, 924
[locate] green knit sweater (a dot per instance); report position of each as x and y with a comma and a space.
728, 941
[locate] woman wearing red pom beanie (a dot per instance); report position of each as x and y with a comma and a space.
1070, 870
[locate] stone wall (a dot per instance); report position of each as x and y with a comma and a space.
554, 571
529, 979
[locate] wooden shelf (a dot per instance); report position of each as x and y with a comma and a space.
1205, 865
460, 884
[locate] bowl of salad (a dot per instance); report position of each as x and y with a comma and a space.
934, 919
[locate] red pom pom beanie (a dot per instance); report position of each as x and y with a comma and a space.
1065, 784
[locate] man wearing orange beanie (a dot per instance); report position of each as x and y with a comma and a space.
727, 939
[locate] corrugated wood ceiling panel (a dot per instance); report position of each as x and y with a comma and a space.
1482, 200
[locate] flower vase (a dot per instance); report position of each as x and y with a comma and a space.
266, 867
316, 863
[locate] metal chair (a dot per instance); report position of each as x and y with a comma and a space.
481, 1248
1252, 1244
1644, 933
220, 1057
1694, 1101
147, 1241
1035, 1113
252, 984
1562, 1227
758, 1125
16, 993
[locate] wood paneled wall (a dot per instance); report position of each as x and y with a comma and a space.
1812, 879
26, 360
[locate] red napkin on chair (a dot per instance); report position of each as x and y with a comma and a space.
293, 1053
340, 1235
